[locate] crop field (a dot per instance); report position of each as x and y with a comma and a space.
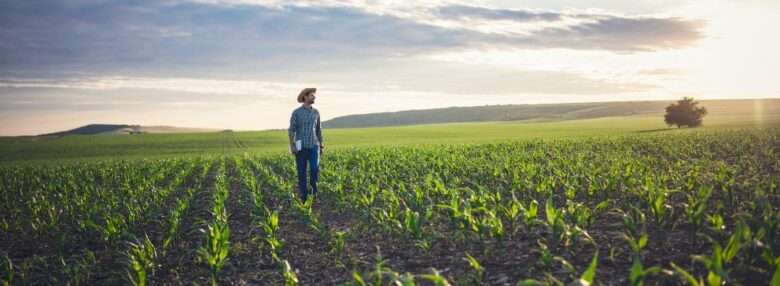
655, 208
80, 148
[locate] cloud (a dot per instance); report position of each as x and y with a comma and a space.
140, 94
241, 36
464, 11
536, 29
622, 34
670, 72
189, 85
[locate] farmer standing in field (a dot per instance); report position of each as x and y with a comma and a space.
306, 141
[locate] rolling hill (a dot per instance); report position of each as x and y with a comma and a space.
544, 112
95, 129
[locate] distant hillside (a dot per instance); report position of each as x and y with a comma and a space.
93, 129
543, 112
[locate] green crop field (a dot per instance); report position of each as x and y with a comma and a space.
79, 148
612, 201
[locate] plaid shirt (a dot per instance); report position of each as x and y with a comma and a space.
304, 126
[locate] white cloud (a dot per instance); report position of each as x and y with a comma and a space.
190, 85
524, 25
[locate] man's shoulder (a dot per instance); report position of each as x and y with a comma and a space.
297, 109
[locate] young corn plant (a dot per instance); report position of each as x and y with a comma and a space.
638, 273
716, 262
141, 259
114, 227
270, 228
696, 206
636, 243
578, 213
8, 268
589, 275
694, 281
412, 226
306, 211
559, 230
511, 213
174, 221
337, 243
436, 278
460, 215
79, 269
377, 276
494, 225
530, 214
479, 272
394, 278
290, 277
656, 199
634, 222
545, 255
215, 252
776, 277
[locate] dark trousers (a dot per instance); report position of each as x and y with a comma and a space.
310, 156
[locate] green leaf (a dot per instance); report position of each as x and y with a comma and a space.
717, 258
687, 276
532, 210
601, 206
405, 280
532, 282
643, 241
550, 212
436, 278
590, 273
732, 248
713, 279
636, 273
358, 279
474, 264
776, 277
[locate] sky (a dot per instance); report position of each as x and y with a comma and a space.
239, 64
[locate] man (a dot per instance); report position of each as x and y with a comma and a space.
306, 141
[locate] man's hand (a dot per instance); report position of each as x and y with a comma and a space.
322, 148
292, 148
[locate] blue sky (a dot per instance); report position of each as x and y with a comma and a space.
239, 63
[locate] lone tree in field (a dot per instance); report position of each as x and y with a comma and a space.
684, 113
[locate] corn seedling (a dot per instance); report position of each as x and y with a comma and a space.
8, 268
141, 258
776, 276
696, 206
589, 274
290, 277
479, 271
337, 243
636, 276
436, 278
216, 250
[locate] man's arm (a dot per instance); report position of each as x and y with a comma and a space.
291, 132
318, 129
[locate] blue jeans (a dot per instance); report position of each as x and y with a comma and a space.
312, 157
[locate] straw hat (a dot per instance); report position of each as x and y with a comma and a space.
305, 92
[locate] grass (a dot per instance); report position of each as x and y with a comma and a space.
79, 148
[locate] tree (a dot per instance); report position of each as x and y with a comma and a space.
684, 113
